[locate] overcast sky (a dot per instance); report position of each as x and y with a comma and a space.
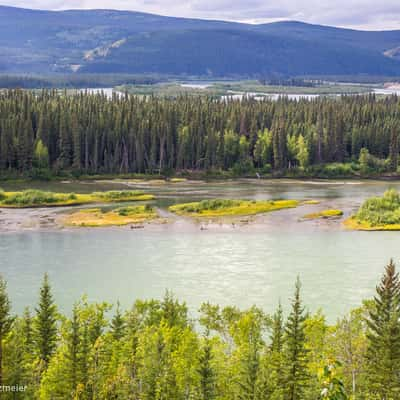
362, 14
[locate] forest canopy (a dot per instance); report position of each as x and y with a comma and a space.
93, 134
156, 350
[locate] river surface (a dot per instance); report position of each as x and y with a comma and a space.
239, 262
237, 95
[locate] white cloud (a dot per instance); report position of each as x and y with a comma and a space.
363, 14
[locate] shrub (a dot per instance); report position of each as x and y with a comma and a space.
126, 211
36, 197
383, 210
118, 194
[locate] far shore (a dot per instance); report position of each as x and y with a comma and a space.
198, 176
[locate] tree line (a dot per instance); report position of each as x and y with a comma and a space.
73, 81
157, 351
82, 133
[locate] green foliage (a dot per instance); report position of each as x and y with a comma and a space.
383, 335
131, 210
206, 371
38, 197
263, 148
34, 198
226, 207
5, 320
155, 351
205, 205
380, 211
302, 153
41, 155
50, 134
369, 163
117, 195
296, 375
333, 387
45, 327
118, 324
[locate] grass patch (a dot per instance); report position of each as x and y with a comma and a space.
324, 214
378, 213
353, 224
177, 180
38, 198
222, 207
95, 217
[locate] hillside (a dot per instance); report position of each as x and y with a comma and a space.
99, 41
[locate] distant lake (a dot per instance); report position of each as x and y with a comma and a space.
239, 95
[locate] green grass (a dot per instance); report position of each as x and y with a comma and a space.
96, 217
226, 207
39, 198
378, 213
332, 213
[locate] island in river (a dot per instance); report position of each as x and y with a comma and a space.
213, 205
241, 260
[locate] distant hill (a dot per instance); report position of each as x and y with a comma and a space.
131, 42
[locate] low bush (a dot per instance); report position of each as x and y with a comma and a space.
383, 210
36, 197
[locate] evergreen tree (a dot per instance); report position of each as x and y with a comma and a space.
118, 324
394, 149
276, 348
41, 155
384, 337
5, 320
46, 323
73, 350
129, 134
296, 376
206, 371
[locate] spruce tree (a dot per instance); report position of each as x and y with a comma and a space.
394, 150
383, 336
296, 376
46, 323
74, 347
118, 324
276, 349
5, 320
206, 372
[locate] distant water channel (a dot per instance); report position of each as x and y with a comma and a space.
239, 95
244, 265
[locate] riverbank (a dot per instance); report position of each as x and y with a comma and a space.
328, 172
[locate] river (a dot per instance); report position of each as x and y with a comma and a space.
244, 263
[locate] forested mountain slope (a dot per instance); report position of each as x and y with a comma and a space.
122, 41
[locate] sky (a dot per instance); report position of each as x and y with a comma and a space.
358, 14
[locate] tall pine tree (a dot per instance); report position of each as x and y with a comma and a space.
296, 376
383, 336
5, 320
46, 323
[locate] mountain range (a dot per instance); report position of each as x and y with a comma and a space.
110, 41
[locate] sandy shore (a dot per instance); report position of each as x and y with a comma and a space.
29, 218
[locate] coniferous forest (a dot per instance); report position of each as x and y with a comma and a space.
48, 132
157, 350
